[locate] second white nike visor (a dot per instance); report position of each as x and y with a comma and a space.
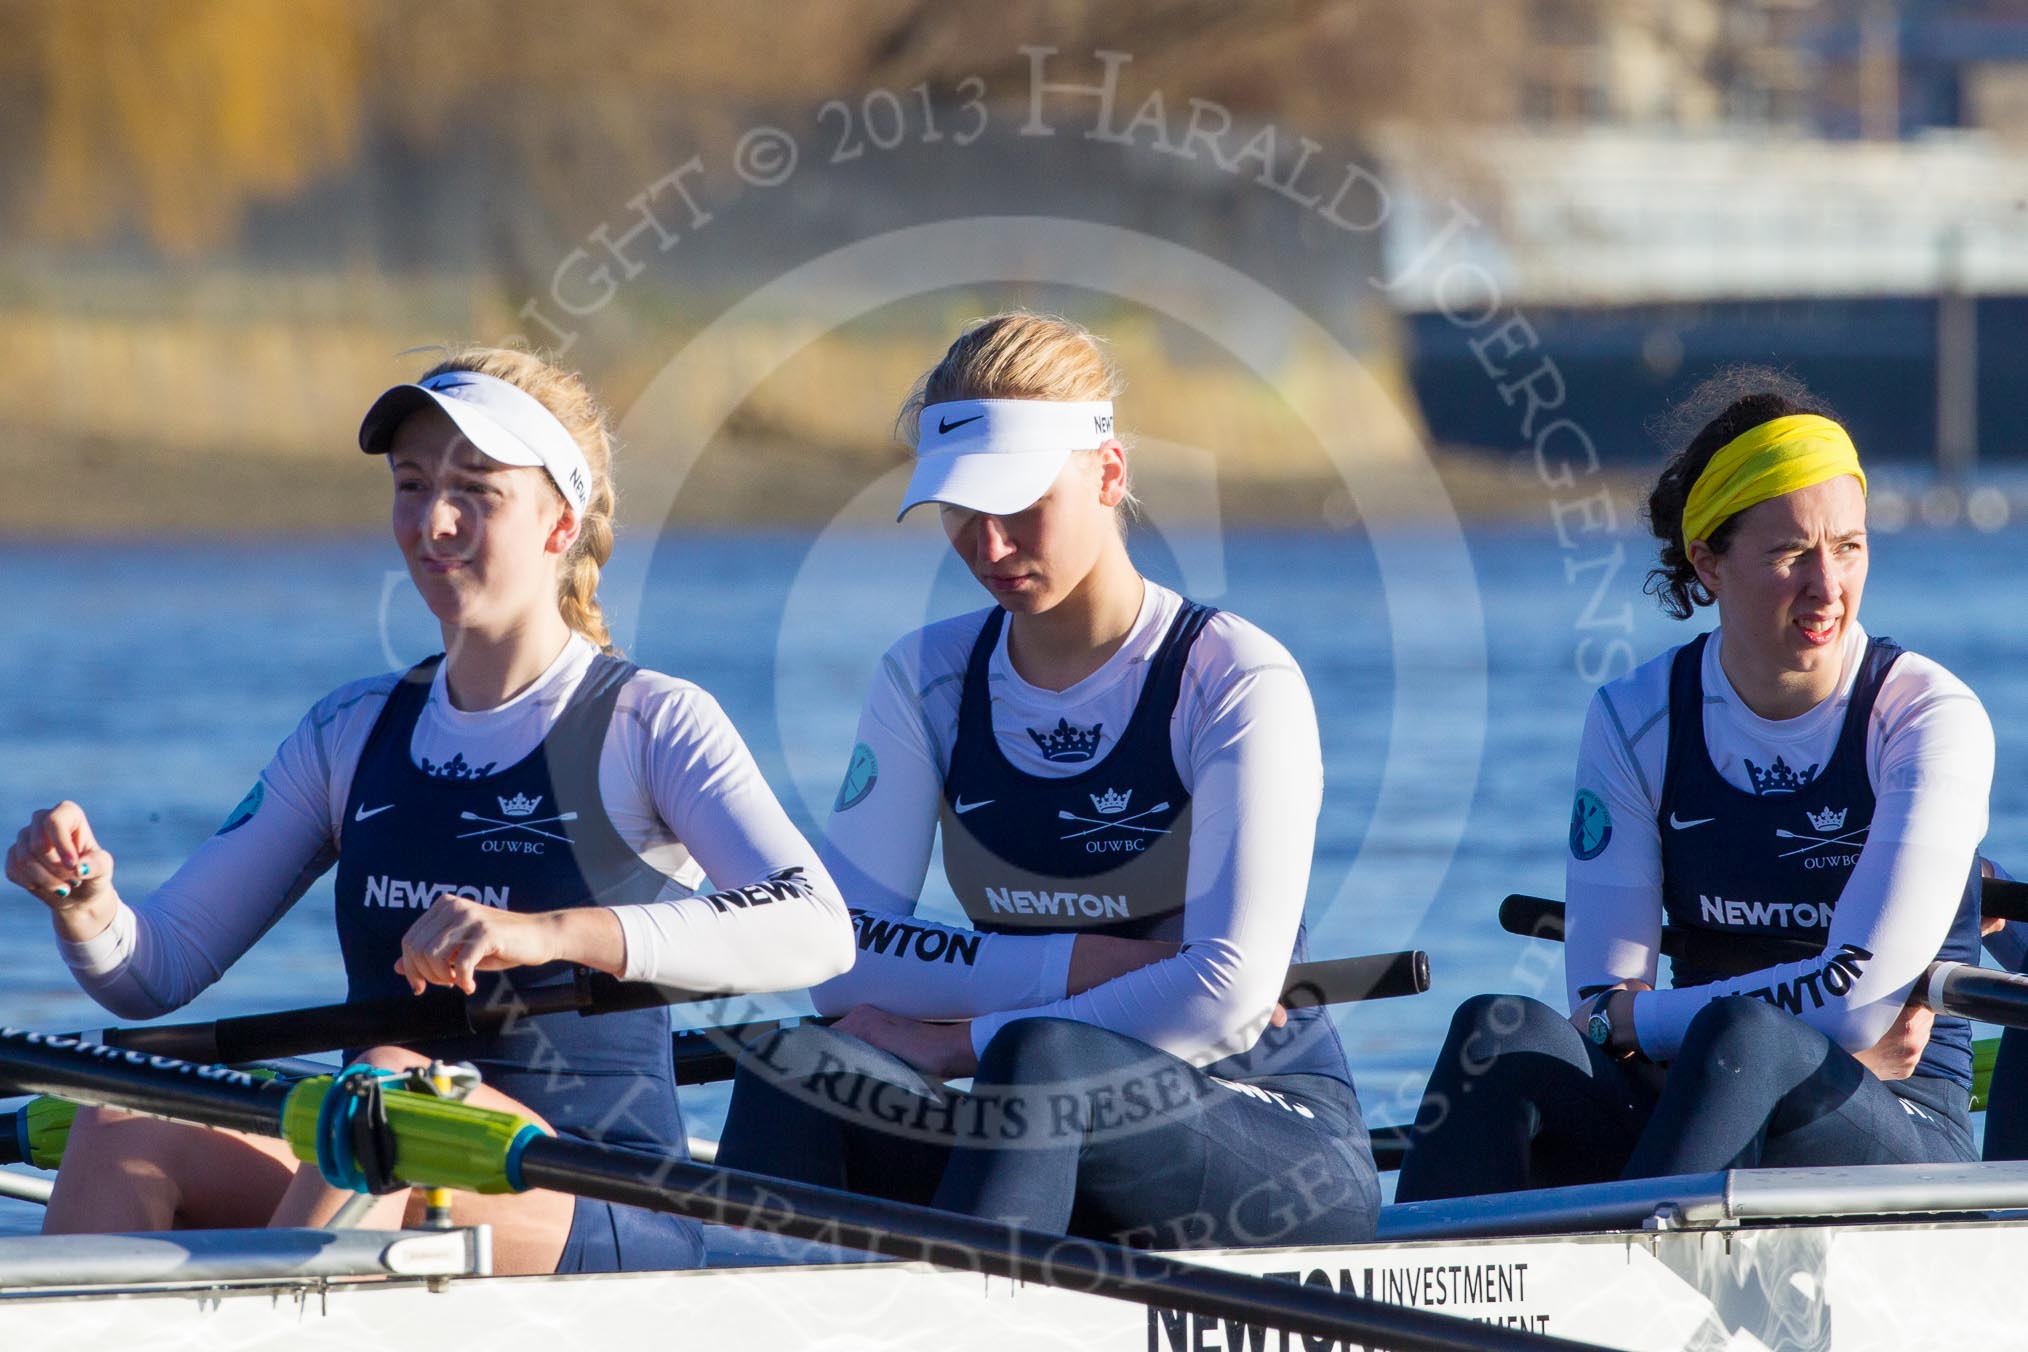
998, 456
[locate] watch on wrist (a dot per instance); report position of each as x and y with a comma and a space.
1599, 1028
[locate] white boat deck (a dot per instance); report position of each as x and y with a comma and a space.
1760, 1259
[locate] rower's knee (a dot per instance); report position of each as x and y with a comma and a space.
1031, 1050
1488, 1026
390, 1058
1740, 1031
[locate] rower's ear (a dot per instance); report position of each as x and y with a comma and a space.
1705, 560
563, 534
1111, 459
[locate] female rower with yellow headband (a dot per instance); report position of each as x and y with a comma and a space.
1784, 776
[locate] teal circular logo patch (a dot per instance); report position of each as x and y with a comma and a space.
243, 814
860, 777
1591, 826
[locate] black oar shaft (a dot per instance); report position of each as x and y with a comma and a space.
922, 1234
2003, 899
1975, 993
1541, 918
1377, 976
218, 1096
1712, 950
1965, 991
705, 1055
440, 1012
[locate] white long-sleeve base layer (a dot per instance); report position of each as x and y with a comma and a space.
676, 780
1244, 740
1929, 756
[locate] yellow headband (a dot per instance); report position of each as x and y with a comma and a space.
1777, 457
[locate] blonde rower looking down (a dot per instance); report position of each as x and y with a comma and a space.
1126, 785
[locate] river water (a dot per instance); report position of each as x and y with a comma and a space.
1451, 673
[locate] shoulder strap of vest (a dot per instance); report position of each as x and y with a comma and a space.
577, 740
601, 683
415, 682
405, 702
1165, 682
1880, 656
975, 699
397, 716
1686, 716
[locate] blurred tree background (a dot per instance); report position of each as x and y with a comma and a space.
203, 197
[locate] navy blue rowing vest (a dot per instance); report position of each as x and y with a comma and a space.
1102, 851
532, 837
1774, 863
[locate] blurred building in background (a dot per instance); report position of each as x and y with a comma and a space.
1879, 69
1840, 189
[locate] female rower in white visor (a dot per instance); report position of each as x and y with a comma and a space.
1127, 785
527, 801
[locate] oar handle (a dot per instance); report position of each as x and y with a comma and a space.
1375, 976
1541, 918
1971, 992
439, 1012
1711, 950
1532, 917
1961, 989
2003, 899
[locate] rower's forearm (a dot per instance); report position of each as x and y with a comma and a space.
1098, 958
591, 937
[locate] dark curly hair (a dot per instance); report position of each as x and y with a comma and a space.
1725, 405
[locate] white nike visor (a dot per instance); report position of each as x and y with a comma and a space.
998, 456
505, 422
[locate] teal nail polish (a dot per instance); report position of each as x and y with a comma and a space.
84, 870
62, 891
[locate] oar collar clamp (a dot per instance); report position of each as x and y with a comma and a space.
355, 1145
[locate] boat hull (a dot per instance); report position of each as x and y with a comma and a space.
1845, 1286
